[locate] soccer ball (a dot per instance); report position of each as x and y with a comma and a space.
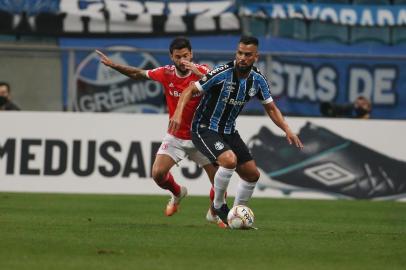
240, 217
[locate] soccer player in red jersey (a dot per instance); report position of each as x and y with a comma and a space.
175, 145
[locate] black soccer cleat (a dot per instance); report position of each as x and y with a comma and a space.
222, 212
328, 163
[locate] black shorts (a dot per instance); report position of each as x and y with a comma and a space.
213, 144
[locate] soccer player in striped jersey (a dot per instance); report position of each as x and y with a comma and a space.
176, 145
226, 90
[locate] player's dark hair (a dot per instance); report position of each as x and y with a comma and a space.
180, 43
247, 40
6, 85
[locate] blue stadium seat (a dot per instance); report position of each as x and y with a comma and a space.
399, 35
320, 31
290, 28
371, 2
371, 35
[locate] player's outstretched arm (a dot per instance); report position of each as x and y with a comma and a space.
185, 97
132, 72
277, 117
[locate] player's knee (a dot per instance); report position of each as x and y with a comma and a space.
252, 176
158, 174
228, 160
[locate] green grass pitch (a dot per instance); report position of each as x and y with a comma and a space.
54, 231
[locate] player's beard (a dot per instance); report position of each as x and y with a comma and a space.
181, 71
244, 69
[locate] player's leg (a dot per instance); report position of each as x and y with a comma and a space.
227, 163
246, 169
169, 154
211, 215
209, 167
212, 145
161, 175
210, 170
249, 175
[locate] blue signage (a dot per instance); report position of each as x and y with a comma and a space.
303, 75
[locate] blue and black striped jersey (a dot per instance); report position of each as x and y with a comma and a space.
225, 97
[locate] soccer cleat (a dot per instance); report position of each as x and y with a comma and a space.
212, 217
328, 163
222, 212
173, 204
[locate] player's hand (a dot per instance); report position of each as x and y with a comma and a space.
104, 59
294, 139
174, 123
192, 67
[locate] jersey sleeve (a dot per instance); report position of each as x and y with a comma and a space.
203, 68
156, 74
213, 77
264, 93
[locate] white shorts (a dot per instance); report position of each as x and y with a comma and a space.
179, 149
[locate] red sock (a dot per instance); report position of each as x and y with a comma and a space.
212, 194
170, 184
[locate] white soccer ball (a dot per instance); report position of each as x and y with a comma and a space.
240, 217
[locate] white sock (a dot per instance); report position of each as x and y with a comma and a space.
244, 192
221, 180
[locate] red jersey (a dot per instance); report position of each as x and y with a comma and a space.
174, 85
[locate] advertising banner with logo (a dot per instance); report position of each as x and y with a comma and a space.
113, 153
118, 17
302, 75
364, 15
97, 88
302, 84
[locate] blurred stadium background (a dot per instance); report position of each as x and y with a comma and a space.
358, 46
314, 52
